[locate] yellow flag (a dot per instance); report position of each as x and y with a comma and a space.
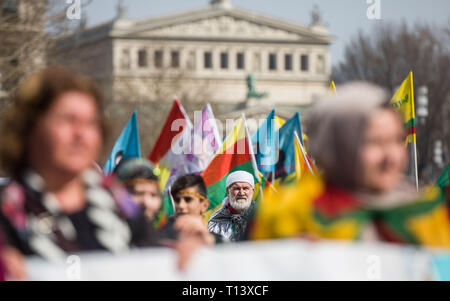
403, 101
279, 122
332, 90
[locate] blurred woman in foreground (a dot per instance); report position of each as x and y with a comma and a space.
357, 139
57, 203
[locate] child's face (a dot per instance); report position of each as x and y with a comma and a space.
186, 202
147, 195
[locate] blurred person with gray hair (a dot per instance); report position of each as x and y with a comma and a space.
358, 142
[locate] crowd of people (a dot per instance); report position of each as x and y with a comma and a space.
58, 201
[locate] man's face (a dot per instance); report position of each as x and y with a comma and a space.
240, 195
187, 202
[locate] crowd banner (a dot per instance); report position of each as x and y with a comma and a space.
272, 260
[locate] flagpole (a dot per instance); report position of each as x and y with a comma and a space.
252, 154
303, 152
415, 136
415, 165
171, 198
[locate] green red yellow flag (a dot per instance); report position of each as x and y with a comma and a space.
232, 156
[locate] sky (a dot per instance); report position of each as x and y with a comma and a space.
344, 17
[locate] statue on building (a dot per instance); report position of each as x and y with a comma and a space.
316, 15
220, 3
251, 92
121, 10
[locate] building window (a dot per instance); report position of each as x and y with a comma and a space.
304, 61
224, 60
9, 6
158, 58
191, 61
272, 61
142, 58
257, 62
208, 60
125, 59
320, 66
175, 59
288, 62
240, 60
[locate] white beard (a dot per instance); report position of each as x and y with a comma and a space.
240, 204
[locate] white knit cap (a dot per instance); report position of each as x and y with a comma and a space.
240, 176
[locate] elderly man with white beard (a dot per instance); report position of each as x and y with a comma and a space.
230, 221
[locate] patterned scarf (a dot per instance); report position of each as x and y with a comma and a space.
329, 212
44, 230
231, 226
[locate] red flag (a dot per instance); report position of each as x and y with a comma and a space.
162, 145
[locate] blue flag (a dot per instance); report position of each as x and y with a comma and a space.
127, 146
286, 160
265, 144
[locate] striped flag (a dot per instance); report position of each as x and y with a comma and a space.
234, 154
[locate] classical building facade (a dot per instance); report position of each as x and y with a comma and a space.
205, 54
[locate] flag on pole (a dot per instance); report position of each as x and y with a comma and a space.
303, 163
332, 90
126, 146
286, 158
233, 155
203, 141
169, 146
403, 101
264, 141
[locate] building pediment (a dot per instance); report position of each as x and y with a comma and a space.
225, 24
222, 27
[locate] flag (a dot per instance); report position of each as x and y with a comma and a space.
332, 91
444, 181
264, 141
286, 158
126, 146
203, 142
233, 155
170, 146
303, 163
279, 122
314, 208
403, 101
